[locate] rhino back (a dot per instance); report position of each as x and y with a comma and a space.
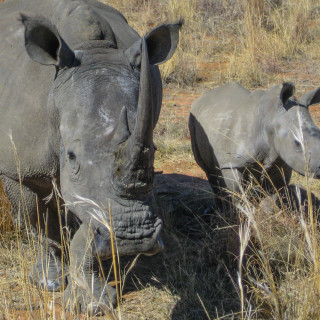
25, 85
231, 120
24, 89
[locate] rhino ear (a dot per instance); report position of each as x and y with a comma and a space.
161, 43
44, 44
287, 91
310, 98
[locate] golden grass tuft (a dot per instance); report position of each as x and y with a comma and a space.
6, 224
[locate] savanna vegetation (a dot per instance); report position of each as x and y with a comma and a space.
251, 264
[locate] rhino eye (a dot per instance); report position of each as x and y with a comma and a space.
71, 155
74, 166
297, 143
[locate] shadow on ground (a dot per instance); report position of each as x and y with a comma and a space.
195, 272
196, 275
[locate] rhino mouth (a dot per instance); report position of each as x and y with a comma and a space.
159, 246
145, 239
134, 232
136, 225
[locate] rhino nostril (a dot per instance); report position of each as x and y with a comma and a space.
158, 246
71, 155
317, 173
160, 243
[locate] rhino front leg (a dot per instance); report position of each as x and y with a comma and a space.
225, 186
48, 270
87, 291
233, 179
230, 193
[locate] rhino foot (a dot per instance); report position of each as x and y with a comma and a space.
88, 290
96, 298
269, 205
48, 272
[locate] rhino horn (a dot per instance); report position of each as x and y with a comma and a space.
143, 132
133, 168
122, 132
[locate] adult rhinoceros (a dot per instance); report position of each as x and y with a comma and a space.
236, 134
80, 94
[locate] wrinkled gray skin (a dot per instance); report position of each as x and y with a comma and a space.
235, 131
80, 94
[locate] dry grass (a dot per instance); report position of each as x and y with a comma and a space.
171, 137
265, 266
5, 218
270, 34
248, 40
281, 267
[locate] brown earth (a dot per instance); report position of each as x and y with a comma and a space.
179, 102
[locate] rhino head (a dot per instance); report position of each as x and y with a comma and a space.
102, 115
296, 137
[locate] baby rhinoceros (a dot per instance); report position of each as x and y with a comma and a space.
240, 136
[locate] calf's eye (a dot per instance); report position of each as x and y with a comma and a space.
297, 143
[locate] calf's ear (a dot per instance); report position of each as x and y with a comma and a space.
311, 97
287, 91
161, 43
44, 44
